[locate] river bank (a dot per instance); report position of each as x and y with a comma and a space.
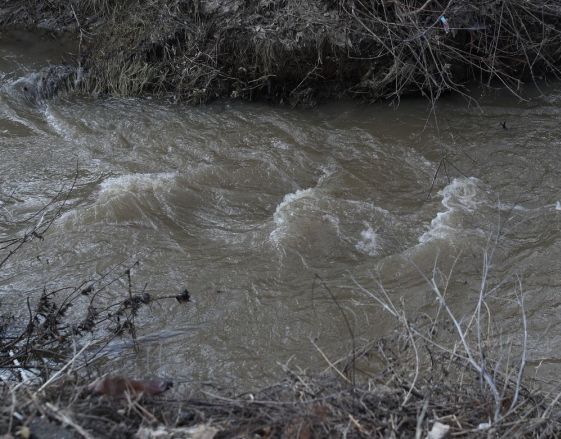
417, 382
300, 53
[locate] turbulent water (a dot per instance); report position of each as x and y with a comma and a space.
246, 205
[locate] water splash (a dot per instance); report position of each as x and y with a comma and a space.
284, 212
460, 197
369, 242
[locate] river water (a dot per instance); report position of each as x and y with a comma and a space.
246, 205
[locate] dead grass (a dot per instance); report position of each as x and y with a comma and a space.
396, 402
438, 371
303, 52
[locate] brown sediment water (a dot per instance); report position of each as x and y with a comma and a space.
249, 206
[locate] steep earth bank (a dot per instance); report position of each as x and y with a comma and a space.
300, 52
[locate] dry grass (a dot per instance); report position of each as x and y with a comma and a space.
436, 369
398, 401
302, 52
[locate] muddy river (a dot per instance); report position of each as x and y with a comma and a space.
248, 205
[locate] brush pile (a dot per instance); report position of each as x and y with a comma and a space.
302, 52
435, 375
445, 396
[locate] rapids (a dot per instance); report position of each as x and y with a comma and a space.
244, 204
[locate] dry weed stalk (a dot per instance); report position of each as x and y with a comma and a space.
300, 52
50, 342
431, 370
463, 354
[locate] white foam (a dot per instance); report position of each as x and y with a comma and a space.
114, 188
460, 196
283, 212
558, 205
279, 144
56, 122
369, 242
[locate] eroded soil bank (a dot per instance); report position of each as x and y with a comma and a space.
300, 52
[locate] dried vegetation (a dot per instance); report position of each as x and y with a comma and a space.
423, 382
437, 375
301, 52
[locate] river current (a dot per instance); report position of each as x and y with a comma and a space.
249, 206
